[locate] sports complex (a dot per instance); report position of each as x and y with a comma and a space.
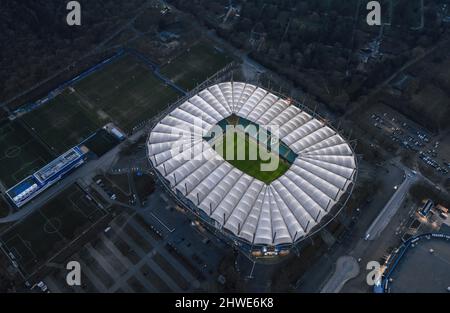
264, 210
125, 90
47, 139
419, 265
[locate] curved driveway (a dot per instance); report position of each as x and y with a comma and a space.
346, 268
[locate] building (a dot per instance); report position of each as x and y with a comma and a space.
264, 219
34, 184
426, 208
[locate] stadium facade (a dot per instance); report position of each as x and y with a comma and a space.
258, 217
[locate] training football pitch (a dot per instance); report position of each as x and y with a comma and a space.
244, 153
21, 154
195, 65
41, 235
63, 122
125, 92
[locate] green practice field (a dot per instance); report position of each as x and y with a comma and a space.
255, 156
38, 237
195, 65
63, 122
125, 92
21, 155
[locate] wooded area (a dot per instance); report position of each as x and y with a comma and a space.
36, 40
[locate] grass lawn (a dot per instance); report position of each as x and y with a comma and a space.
21, 154
254, 153
195, 65
101, 142
125, 92
63, 122
145, 185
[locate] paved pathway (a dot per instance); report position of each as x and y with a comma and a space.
391, 207
346, 268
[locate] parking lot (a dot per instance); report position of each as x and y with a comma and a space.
414, 139
155, 249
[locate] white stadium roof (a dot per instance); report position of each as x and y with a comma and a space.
279, 213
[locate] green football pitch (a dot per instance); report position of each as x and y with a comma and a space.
195, 65
244, 153
62, 122
125, 92
42, 234
21, 154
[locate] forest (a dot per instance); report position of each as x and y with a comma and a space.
37, 41
316, 43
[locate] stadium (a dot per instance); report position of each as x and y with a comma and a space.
265, 212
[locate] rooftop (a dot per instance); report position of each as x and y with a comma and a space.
277, 213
